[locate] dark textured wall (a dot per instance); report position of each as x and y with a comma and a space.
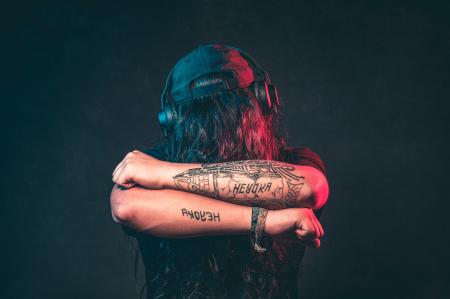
364, 85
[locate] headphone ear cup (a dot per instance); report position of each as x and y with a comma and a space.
162, 118
166, 119
261, 91
266, 94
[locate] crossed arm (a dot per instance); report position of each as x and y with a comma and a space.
188, 199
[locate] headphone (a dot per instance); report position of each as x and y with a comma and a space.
265, 92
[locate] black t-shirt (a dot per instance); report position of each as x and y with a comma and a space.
223, 266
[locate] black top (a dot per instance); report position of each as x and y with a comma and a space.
222, 266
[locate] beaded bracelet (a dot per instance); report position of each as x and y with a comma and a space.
257, 228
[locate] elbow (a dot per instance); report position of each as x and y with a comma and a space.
318, 200
314, 195
320, 192
120, 206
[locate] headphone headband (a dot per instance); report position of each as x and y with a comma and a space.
258, 67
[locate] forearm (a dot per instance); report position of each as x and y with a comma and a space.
177, 214
269, 184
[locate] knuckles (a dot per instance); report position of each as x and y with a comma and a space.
129, 158
128, 163
132, 153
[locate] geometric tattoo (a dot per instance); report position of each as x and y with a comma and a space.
270, 184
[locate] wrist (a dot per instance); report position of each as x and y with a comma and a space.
167, 171
170, 171
277, 221
271, 222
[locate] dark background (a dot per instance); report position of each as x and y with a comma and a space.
365, 85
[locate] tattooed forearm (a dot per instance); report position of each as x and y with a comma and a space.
270, 184
201, 215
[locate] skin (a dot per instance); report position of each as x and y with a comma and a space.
168, 199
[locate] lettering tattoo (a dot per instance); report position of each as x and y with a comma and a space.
201, 215
270, 184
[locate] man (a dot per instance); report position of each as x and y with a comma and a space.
223, 208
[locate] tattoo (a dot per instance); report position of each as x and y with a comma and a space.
251, 182
201, 215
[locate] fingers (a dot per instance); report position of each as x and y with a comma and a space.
315, 243
322, 232
127, 185
122, 177
136, 168
118, 166
124, 182
317, 226
307, 230
116, 173
308, 237
127, 156
310, 231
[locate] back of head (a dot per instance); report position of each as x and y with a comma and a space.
219, 113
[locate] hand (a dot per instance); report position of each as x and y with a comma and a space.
294, 225
138, 168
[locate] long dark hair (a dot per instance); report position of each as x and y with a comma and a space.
224, 126
221, 127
